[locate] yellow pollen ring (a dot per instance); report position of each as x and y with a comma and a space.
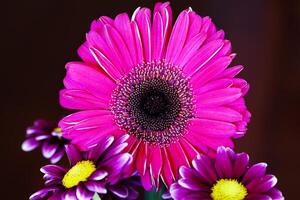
78, 173
228, 189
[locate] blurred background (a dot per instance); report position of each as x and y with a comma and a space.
39, 37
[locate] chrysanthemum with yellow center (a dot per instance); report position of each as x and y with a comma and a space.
228, 189
78, 173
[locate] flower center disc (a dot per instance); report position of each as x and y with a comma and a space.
78, 173
228, 189
154, 103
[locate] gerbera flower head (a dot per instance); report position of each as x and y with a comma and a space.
228, 176
96, 171
47, 135
168, 86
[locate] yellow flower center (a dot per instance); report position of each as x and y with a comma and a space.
78, 173
58, 130
228, 189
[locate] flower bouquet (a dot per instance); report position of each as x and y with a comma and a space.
158, 109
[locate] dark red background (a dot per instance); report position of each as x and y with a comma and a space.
40, 36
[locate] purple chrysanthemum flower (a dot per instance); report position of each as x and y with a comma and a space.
124, 189
94, 171
47, 135
226, 177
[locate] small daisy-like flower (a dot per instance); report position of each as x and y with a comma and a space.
168, 87
48, 136
96, 171
226, 177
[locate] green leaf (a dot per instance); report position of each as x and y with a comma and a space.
96, 197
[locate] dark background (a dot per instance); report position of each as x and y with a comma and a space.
40, 36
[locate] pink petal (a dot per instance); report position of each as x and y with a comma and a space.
211, 128
195, 25
81, 100
119, 49
122, 23
214, 85
146, 181
217, 35
143, 20
138, 42
178, 36
155, 160
177, 158
190, 49
230, 72
218, 97
85, 54
189, 149
103, 55
87, 128
141, 162
211, 70
165, 12
219, 113
157, 37
203, 55
167, 175
82, 76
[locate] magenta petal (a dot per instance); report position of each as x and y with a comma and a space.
100, 148
157, 36
57, 156
178, 36
275, 194
89, 79
190, 49
115, 164
143, 20
81, 100
209, 71
70, 194
192, 184
203, 56
122, 23
53, 170
261, 185
73, 154
218, 97
118, 146
118, 47
120, 191
258, 197
83, 193
96, 186
255, 171
223, 164
98, 175
30, 144
240, 165
146, 181
41, 193
49, 149
205, 168
85, 54
219, 113
188, 173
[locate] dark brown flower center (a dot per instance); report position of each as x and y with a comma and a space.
155, 104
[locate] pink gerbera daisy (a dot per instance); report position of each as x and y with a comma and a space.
168, 87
